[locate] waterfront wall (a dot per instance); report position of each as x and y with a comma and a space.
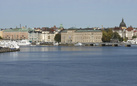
3, 50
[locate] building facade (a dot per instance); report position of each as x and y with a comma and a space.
34, 36
123, 31
46, 36
15, 34
1, 33
120, 31
82, 36
129, 33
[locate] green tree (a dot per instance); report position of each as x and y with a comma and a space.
57, 38
117, 36
125, 39
107, 35
0, 37
134, 37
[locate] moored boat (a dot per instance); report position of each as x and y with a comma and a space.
78, 44
23, 43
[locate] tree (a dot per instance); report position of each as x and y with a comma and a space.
134, 37
117, 36
0, 37
125, 39
107, 35
57, 38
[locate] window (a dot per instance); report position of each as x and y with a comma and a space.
48, 37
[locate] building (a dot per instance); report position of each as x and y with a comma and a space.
46, 36
129, 32
1, 33
123, 31
81, 35
15, 34
34, 36
120, 31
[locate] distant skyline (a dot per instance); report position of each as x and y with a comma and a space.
70, 13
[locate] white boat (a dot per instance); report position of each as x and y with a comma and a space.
78, 44
24, 43
56, 44
132, 41
9, 44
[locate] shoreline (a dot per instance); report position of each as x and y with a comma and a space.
4, 50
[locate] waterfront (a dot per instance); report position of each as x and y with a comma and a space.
69, 66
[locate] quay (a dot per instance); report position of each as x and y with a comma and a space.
4, 50
99, 44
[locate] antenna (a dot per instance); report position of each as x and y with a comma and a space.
20, 25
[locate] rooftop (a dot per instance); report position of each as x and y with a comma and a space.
16, 30
80, 30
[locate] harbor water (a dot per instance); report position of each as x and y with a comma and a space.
69, 66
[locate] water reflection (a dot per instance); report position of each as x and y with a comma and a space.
59, 48
10, 56
49, 53
46, 53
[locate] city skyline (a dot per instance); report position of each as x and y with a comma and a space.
70, 13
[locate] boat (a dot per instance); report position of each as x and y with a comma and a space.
133, 41
78, 44
55, 43
9, 44
23, 43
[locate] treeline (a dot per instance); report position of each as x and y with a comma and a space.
0, 37
109, 35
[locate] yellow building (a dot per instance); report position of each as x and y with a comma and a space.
82, 36
1, 34
15, 34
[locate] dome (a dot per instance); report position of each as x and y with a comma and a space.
122, 24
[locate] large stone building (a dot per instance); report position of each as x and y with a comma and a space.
1, 33
81, 35
15, 34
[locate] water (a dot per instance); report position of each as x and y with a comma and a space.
69, 66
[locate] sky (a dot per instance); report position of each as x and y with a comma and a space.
70, 13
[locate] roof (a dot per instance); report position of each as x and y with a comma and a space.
64, 31
81, 30
117, 28
129, 29
122, 24
88, 30
16, 30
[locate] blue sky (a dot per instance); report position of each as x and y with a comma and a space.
70, 13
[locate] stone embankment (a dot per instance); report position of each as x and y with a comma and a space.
100, 44
4, 50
